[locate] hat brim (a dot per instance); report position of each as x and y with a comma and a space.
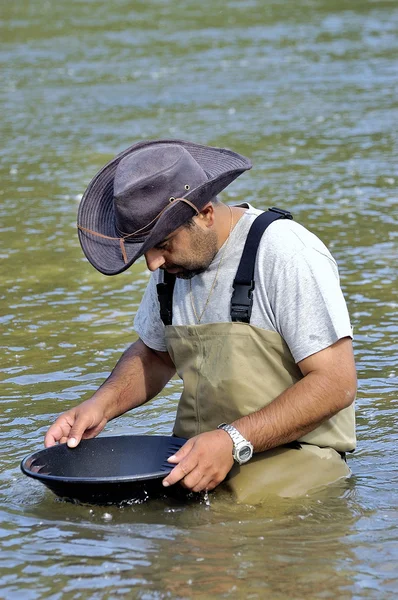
96, 210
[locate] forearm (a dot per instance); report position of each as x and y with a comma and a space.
293, 414
139, 375
328, 386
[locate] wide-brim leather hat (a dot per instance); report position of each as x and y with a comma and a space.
145, 193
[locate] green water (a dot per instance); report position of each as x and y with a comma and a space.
308, 91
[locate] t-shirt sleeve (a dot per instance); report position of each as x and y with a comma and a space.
308, 303
147, 322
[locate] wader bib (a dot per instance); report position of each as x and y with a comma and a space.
232, 369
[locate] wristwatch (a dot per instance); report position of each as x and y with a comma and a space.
243, 449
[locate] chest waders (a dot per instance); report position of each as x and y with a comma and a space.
232, 369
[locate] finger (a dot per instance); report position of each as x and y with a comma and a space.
205, 485
182, 452
208, 482
211, 485
88, 434
197, 481
82, 427
59, 430
202, 486
50, 439
179, 472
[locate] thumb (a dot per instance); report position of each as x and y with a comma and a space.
182, 452
72, 442
76, 432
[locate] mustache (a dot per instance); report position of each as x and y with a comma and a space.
166, 267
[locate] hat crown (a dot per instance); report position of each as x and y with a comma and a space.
123, 215
146, 180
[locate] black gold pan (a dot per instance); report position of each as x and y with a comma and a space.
107, 469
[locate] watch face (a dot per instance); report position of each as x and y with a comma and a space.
245, 453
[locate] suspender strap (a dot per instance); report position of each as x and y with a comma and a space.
242, 297
165, 297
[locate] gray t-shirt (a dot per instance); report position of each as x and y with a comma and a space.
297, 291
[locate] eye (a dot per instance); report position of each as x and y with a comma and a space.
162, 245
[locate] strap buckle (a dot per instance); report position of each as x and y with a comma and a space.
242, 301
285, 213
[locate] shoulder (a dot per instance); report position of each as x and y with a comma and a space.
300, 286
287, 241
286, 238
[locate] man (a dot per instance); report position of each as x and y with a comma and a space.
271, 372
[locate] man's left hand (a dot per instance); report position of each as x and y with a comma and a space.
203, 461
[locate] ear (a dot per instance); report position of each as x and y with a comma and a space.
206, 215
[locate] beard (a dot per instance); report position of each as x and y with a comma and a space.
182, 272
189, 273
200, 254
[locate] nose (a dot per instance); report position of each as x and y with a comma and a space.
154, 259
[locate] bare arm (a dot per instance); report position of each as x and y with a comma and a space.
328, 386
139, 375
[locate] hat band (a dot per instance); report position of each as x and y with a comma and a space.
126, 236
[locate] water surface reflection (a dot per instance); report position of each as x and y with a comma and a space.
307, 91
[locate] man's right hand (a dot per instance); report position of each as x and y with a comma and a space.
84, 421
139, 375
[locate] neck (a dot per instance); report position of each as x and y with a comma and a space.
224, 214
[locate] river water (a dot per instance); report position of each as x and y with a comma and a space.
307, 90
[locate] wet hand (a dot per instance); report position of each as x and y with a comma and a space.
203, 461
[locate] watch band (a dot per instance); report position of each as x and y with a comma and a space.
242, 448
237, 437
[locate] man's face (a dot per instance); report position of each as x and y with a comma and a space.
187, 251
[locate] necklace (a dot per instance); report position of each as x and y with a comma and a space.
199, 317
